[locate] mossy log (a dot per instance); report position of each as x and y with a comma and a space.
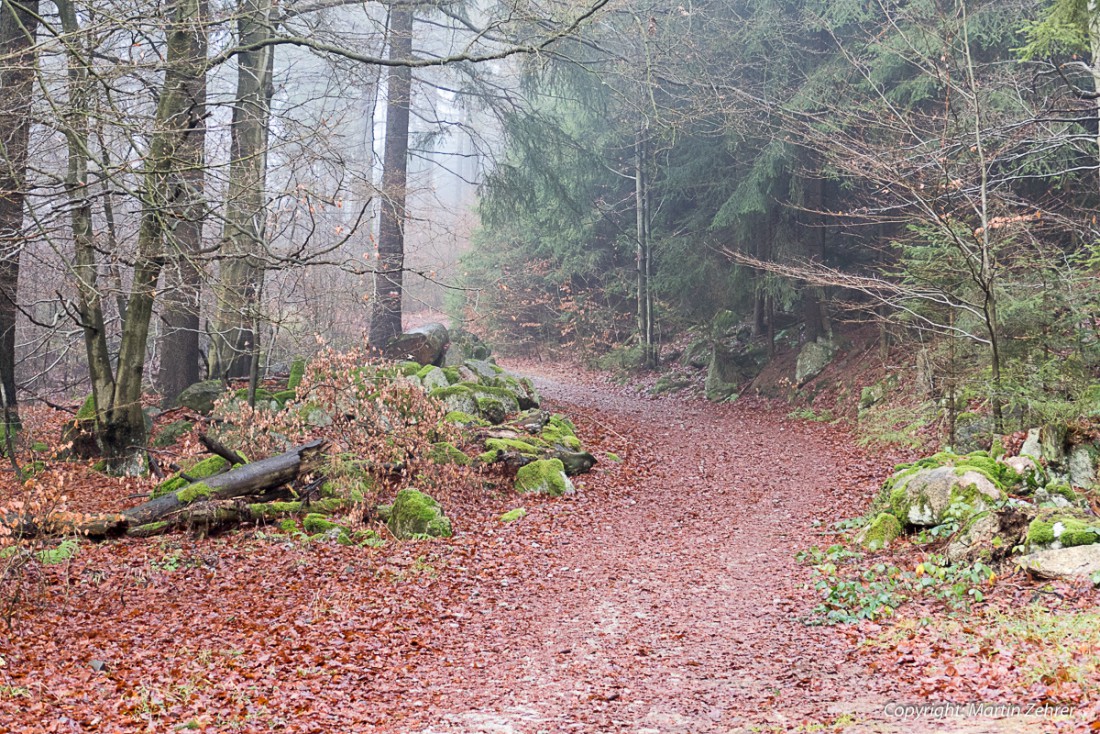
424, 345
248, 479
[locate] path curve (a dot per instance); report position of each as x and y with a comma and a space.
673, 605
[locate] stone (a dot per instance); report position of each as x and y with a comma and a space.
1062, 528
544, 476
814, 357
1046, 443
1070, 564
414, 514
1081, 466
923, 497
991, 536
432, 378
200, 397
882, 531
697, 355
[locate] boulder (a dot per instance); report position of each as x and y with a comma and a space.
812, 359
991, 536
414, 514
922, 497
1071, 564
879, 533
200, 397
424, 345
1047, 443
733, 358
697, 354
544, 476
1055, 528
1081, 465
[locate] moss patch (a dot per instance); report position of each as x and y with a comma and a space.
465, 420
1063, 531
87, 410
172, 432
513, 515
193, 492
447, 453
514, 444
881, 532
415, 514
297, 372
544, 476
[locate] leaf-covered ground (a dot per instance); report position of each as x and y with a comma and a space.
663, 597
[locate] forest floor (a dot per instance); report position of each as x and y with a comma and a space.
663, 597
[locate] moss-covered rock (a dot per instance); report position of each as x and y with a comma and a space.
924, 496
417, 515
880, 532
532, 446
458, 398
464, 420
315, 523
544, 476
814, 357
200, 397
1062, 529
513, 515
443, 452
172, 432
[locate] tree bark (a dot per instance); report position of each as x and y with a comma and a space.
385, 324
179, 345
244, 236
18, 24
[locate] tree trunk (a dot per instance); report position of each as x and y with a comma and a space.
179, 345
385, 324
18, 23
245, 233
425, 345
644, 254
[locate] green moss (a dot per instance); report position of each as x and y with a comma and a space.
149, 528
563, 424
87, 410
555, 436
1065, 491
288, 526
545, 476
459, 418
442, 393
494, 409
272, 510
193, 492
40, 447
881, 532
513, 444
315, 523
447, 453
613, 457
261, 394
284, 396
488, 457
426, 370
513, 515
1068, 531
415, 514
297, 372
408, 368
451, 373
203, 469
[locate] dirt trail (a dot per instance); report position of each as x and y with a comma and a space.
673, 604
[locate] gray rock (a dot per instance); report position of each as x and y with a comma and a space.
924, 497
1075, 563
1046, 443
200, 397
1081, 466
433, 379
813, 358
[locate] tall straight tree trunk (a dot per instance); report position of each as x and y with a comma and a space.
245, 232
179, 345
385, 323
644, 255
18, 23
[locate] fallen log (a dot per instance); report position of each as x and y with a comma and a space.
247, 479
424, 345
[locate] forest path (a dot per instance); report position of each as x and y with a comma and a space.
666, 599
